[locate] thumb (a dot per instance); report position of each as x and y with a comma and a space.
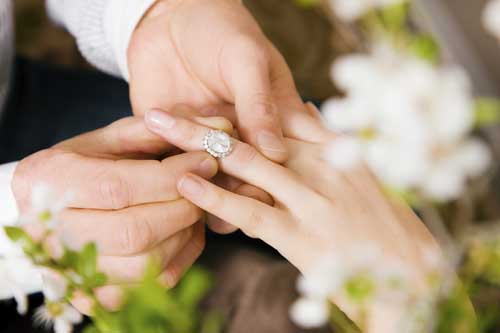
248, 77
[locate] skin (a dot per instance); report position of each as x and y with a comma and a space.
109, 169
223, 58
124, 198
317, 209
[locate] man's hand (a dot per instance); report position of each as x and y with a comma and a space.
126, 204
202, 52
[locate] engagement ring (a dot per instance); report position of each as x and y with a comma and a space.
218, 143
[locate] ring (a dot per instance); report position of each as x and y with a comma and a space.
218, 143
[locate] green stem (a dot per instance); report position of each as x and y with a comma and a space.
339, 321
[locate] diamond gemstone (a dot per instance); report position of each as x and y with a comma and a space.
218, 143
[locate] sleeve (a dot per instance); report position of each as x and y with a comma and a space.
12, 264
102, 28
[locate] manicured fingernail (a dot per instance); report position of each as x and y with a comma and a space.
207, 167
270, 142
191, 186
159, 121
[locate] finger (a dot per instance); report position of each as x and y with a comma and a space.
244, 162
105, 184
226, 111
219, 122
120, 270
219, 226
298, 121
125, 138
129, 231
184, 258
110, 297
247, 75
251, 216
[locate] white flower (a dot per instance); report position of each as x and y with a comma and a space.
353, 9
408, 120
491, 17
14, 282
310, 313
45, 206
54, 286
59, 315
474, 157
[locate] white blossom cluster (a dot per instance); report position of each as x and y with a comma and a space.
491, 17
56, 313
407, 119
330, 279
350, 10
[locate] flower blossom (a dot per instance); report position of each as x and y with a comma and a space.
45, 206
361, 278
408, 120
61, 316
491, 18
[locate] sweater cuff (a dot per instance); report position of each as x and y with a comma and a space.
121, 19
102, 28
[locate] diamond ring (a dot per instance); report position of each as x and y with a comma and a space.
218, 143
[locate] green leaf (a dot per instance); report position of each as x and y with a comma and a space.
69, 259
87, 265
487, 111
425, 47
17, 234
456, 314
194, 286
395, 17
32, 249
212, 322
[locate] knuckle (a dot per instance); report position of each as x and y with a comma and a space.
137, 235
254, 224
214, 201
29, 171
244, 155
264, 106
113, 190
198, 244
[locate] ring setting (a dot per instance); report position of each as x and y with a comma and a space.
218, 143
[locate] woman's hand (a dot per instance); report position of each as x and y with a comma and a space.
318, 210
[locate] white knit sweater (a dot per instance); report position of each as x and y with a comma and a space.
102, 29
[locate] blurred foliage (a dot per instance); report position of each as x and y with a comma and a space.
307, 3
150, 308
487, 111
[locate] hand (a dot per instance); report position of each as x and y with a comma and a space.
202, 52
318, 210
128, 205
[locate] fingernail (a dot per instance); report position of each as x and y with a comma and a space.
158, 120
207, 167
270, 142
191, 186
